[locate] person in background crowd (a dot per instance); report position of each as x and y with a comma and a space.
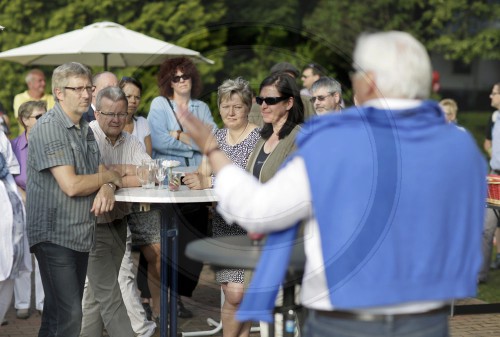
35, 80
9, 155
180, 83
103, 305
326, 96
495, 103
355, 280
287, 68
100, 81
139, 313
282, 112
491, 222
15, 258
4, 120
310, 74
450, 109
29, 113
66, 189
237, 139
136, 125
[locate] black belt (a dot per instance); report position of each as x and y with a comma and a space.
366, 317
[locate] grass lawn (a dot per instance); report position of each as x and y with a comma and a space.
476, 123
490, 291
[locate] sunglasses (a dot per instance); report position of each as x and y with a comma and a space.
319, 98
270, 100
177, 79
37, 117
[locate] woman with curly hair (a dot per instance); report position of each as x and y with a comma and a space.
179, 83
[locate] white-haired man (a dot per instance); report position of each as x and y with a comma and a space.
386, 246
35, 81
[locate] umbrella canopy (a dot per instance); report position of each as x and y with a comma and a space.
99, 44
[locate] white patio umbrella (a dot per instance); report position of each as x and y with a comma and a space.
105, 44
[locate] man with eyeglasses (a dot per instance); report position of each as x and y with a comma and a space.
103, 305
100, 81
310, 74
326, 96
66, 189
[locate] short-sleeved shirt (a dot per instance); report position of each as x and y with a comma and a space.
25, 97
53, 216
126, 150
20, 149
141, 130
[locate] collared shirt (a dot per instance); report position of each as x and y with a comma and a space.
246, 205
126, 150
52, 215
20, 149
495, 144
25, 97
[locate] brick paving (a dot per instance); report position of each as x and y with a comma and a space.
206, 303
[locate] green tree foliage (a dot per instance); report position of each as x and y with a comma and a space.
247, 38
182, 22
459, 29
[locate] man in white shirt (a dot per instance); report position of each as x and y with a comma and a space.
103, 305
386, 245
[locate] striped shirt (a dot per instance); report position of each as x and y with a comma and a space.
126, 150
53, 216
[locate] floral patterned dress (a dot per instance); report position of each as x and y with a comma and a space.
238, 154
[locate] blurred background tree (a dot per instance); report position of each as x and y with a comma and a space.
247, 38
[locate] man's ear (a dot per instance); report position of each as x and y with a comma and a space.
59, 94
372, 86
336, 98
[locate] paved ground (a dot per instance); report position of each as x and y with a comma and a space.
206, 303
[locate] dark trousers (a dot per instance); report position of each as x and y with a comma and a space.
62, 271
142, 277
193, 225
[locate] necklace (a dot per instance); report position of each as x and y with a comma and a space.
230, 138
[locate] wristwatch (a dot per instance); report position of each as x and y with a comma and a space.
111, 185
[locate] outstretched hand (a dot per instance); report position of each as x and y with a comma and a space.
198, 131
203, 137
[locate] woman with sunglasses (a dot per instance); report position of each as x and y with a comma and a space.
136, 125
282, 111
29, 113
179, 83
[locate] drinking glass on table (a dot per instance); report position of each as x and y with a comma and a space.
160, 172
174, 181
146, 174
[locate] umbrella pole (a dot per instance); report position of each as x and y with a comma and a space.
105, 61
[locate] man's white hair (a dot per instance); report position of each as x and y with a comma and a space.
400, 64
